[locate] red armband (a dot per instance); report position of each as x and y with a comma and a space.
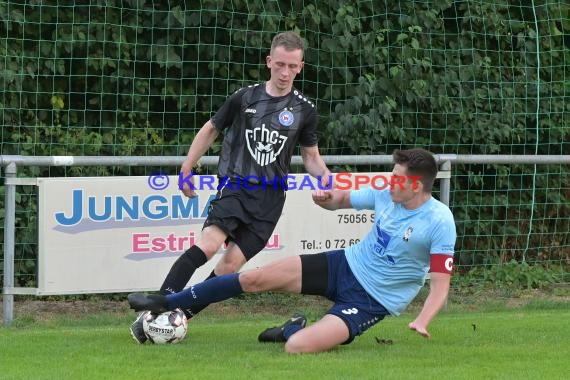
441, 263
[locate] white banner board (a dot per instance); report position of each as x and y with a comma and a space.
117, 234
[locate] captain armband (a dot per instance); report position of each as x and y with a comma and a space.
440, 263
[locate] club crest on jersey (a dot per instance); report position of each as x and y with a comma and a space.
408, 234
286, 118
264, 145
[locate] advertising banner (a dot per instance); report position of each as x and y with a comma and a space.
122, 234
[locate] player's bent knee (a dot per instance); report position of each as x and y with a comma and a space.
209, 249
250, 281
298, 345
292, 346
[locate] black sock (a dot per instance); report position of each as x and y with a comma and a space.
182, 270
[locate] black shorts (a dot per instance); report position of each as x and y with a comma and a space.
248, 216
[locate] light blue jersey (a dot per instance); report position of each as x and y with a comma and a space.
392, 260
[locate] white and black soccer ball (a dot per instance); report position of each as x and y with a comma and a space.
166, 328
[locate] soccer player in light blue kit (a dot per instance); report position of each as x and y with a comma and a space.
413, 234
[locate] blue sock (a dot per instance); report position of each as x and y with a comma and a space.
290, 330
215, 289
191, 312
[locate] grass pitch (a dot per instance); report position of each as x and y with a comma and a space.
527, 342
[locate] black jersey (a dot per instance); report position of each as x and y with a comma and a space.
261, 132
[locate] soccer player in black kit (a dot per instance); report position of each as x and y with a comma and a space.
262, 125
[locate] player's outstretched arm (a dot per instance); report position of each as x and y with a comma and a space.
439, 289
332, 199
316, 166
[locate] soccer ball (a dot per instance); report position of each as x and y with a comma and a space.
169, 327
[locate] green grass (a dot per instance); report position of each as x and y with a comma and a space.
529, 342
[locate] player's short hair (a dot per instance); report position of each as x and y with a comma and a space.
289, 40
418, 162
